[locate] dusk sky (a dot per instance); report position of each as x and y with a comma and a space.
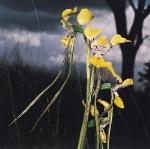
31, 30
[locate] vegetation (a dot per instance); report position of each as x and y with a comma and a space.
96, 46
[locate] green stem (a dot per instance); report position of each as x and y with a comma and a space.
110, 121
97, 122
82, 138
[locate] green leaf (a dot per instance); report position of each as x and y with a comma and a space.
91, 123
106, 86
77, 28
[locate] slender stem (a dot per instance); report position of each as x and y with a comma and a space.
82, 138
97, 122
110, 120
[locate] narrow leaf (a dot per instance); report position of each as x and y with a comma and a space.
106, 86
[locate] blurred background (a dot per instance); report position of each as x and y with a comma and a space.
31, 55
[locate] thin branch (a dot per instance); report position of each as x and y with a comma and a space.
132, 4
141, 5
147, 11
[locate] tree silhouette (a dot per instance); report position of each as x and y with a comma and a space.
129, 51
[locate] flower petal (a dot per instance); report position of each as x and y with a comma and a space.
92, 110
111, 69
102, 41
91, 32
67, 12
127, 82
85, 16
97, 62
103, 136
117, 39
119, 102
104, 103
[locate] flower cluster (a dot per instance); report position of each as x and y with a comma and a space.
98, 45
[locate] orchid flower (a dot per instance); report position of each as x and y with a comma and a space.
117, 100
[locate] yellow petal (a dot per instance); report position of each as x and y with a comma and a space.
102, 41
127, 82
67, 12
117, 39
92, 110
85, 16
104, 103
103, 136
119, 102
91, 32
97, 62
111, 69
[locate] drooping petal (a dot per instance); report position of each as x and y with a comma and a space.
119, 102
91, 32
127, 82
102, 41
111, 69
92, 110
67, 12
103, 136
118, 39
85, 16
104, 103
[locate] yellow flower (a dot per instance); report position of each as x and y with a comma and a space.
66, 41
103, 136
102, 41
127, 82
104, 103
119, 102
91, 32
117, 39
101, 63
67, 12
85, 16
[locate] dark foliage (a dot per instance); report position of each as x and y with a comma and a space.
60, 127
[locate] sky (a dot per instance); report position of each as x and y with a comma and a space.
30, 32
